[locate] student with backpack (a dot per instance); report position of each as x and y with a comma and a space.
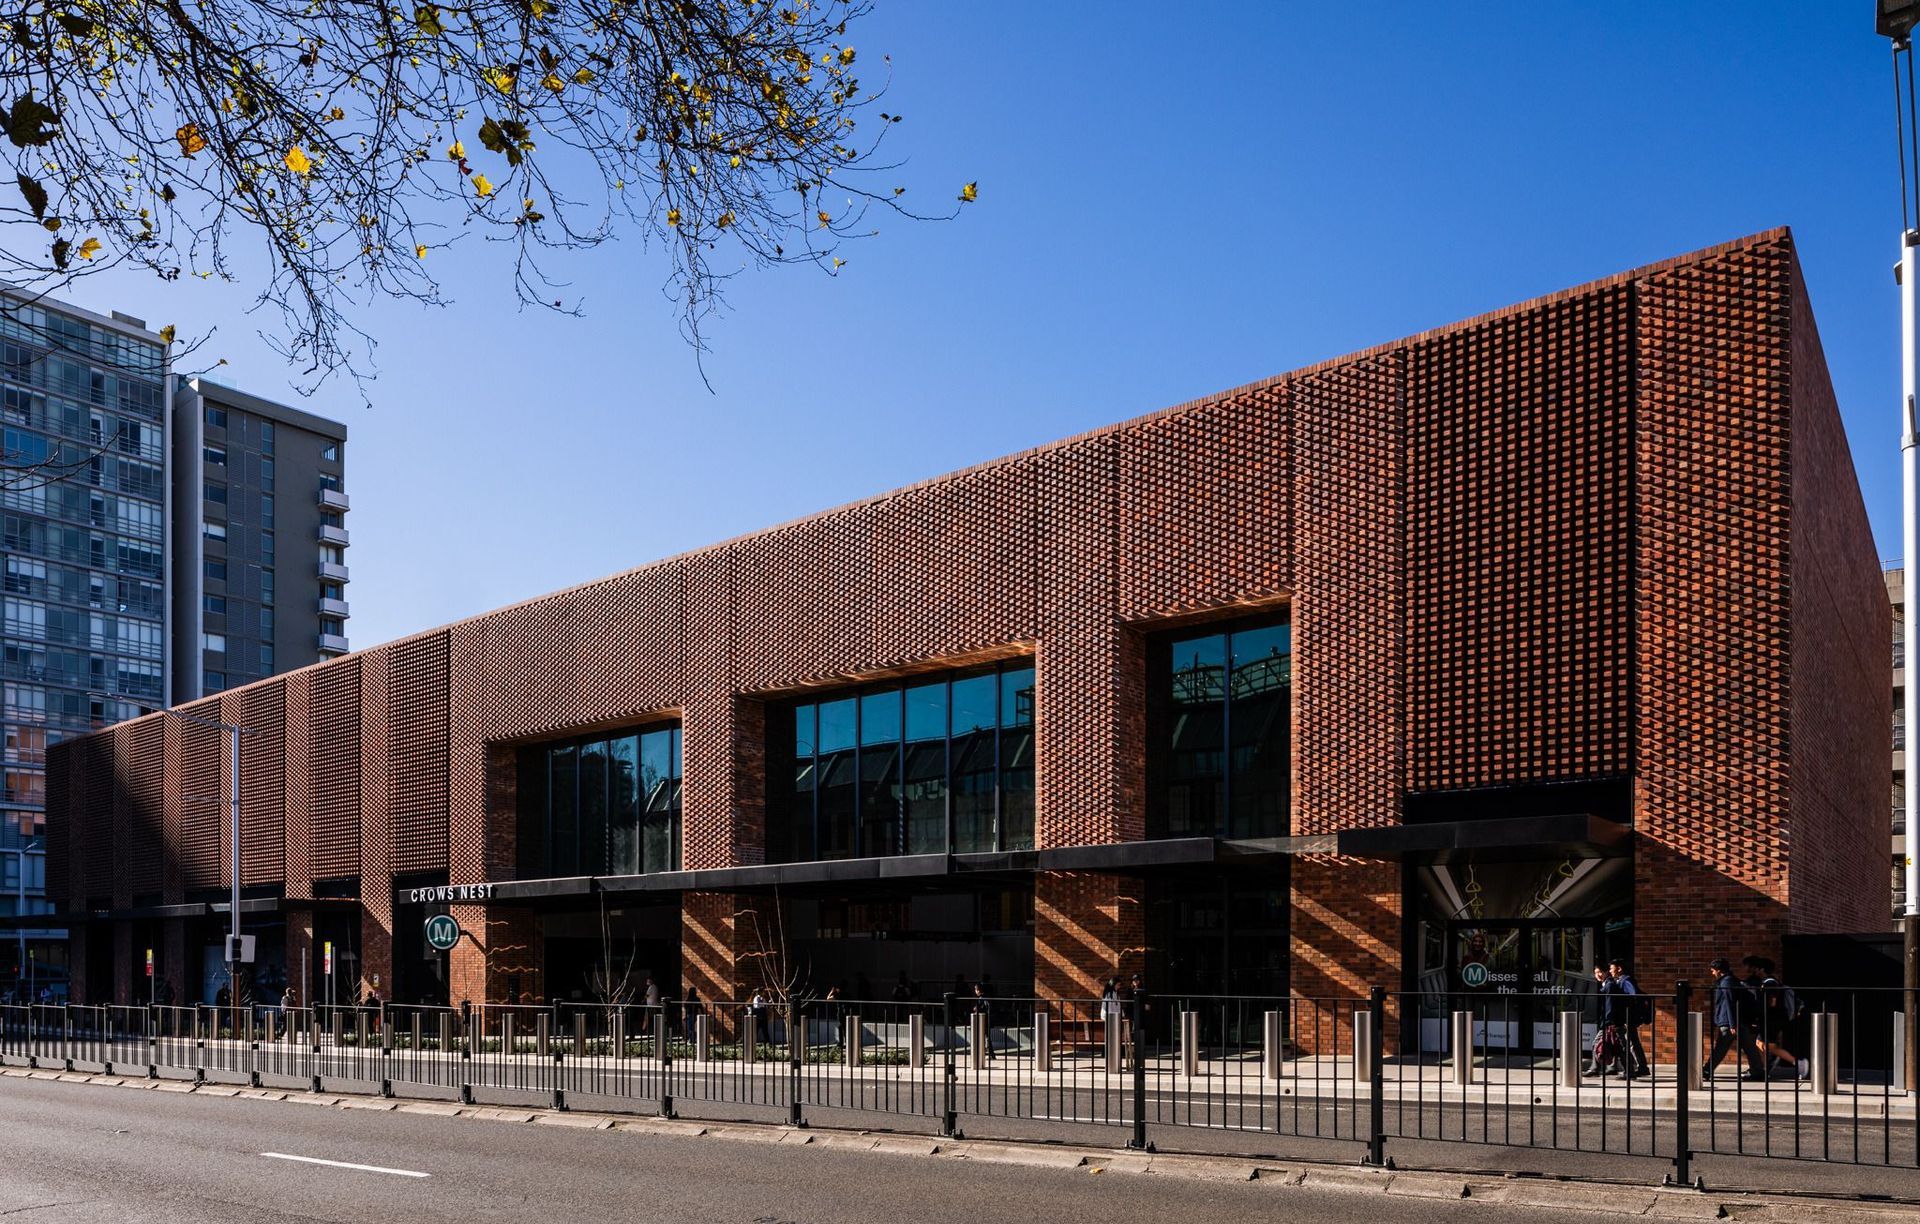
1734, 1006
1633, 1010
1780, 1014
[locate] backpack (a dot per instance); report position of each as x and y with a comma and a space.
1606, 1045
1780, 998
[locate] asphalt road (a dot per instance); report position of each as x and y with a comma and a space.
71, 1152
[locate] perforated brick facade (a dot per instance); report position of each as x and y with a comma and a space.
1609, 535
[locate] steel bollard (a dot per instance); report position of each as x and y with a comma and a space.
853, 1035
1362, 1046
1042, 1043
750, 1039
1113, 1044
702, 1037
1570, 1046
1273, 1050
977, 1044
1826, 1054
916, 1041
1900, 1052
1463, 1048
1693, 1048
543, 1035
1190, 1043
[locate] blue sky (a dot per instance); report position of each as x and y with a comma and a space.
1173, 200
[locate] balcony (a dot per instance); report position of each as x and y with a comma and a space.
333, 499
330, 534
334, 607
333, 643
333, 570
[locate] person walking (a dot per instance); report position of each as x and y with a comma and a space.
650, 1000
1604, 1057
1630, 1010
1780, 1015
983, 1007
1732, 1011
689, 1009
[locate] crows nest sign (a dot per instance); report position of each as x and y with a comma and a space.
449, 894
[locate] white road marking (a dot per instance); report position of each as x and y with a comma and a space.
346, 1164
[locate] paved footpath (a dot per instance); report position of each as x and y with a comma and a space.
96, 1148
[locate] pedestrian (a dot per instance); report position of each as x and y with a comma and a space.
1732, 1011
756, 1011
983, 1008
1604, 1057
833, 1009
1631, 1009
650, 997
1781, 1013
689, 1009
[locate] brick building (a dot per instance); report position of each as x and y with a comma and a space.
1463, 660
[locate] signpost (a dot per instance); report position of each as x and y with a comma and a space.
1473, 975
326, 971
442, 932
152, 995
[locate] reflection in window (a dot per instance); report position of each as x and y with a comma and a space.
609, 805
1220, 716
906, 768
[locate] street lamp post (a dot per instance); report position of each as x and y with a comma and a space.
1895, 20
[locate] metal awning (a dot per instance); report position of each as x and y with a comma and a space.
1579, 834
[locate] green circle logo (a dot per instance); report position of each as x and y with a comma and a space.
1472, 974
442, 932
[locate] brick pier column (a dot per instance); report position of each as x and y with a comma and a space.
499, 949
1346, 940
1087, 927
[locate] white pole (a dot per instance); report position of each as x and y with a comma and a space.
1910, 556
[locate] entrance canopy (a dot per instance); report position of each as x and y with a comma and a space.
1522, 837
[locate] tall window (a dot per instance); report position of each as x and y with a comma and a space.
909, 767
1220, 732
609, 805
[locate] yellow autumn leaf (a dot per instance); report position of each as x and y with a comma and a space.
583, 76
725, 219
500, 79
456, 151
481, 185
553, 82
297, 161
673, 216
420, 251
191, 141
89, 248
970, 193
736, 161
336, 114
824, 218
167, 334
846, 55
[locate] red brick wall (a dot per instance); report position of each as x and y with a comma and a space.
1712, 611
1087, 927
1841, 706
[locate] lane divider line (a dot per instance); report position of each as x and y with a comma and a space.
345, 1164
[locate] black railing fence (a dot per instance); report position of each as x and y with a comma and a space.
1818, 1078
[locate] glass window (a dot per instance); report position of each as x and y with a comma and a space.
1220, 733
266, 585
266, 474
213, 681
266, 658
266, 547
331, 451
216, 642
609, 805
266, 509
906, 768
216, 568
215, 456
266, 437
213, 530
266, 622
217, 417
216, 604
216, 492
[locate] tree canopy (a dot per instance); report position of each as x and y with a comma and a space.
357, 139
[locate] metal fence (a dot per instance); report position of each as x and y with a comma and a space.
1817, 1078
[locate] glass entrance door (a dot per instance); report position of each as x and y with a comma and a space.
1516, 977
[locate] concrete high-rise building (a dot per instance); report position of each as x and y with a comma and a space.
158, 540
261, 538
